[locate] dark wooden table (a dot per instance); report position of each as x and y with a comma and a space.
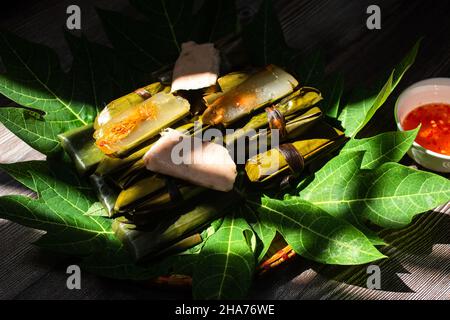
417, 269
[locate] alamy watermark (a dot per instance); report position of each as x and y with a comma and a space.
73, 21
74, 279
240, 145
374, 20
374, 279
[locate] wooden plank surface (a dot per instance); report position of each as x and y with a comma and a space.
418, 269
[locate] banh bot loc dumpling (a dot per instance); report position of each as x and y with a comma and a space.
291, 158
260, 89
115, 107
133, 126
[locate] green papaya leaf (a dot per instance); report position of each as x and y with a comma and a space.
317, 235
36, 133
60, 210
75, 225
310, 69
360, 184
56, 101
136, 44
156, 42
34, 79
339, 170
406, 63
265, 234
397, 194
386, 147
226, 262
389, 196
119, 264
54, 168
101, 73
362, 106
365, 104
214, 20
263, 37
171, 21
97, 210
20, 171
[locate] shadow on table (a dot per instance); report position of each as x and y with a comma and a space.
411, 246
411, 256
53, 285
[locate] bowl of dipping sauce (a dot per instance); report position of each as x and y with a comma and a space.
427, 103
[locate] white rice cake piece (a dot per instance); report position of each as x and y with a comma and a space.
197, 67
202, 163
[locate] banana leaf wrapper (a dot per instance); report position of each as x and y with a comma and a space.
294, 128
296, 102
142, 242
132, 175
143, 188
295, 125
80, 146
226, 83
109, 166
319, 141
106, 193
154, 194
189, 243
299, 124
136, 125
294, 108
116, 107
181, 245
260, 89
262, 140
158, 206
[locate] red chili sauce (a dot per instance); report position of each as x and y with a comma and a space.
434, 134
